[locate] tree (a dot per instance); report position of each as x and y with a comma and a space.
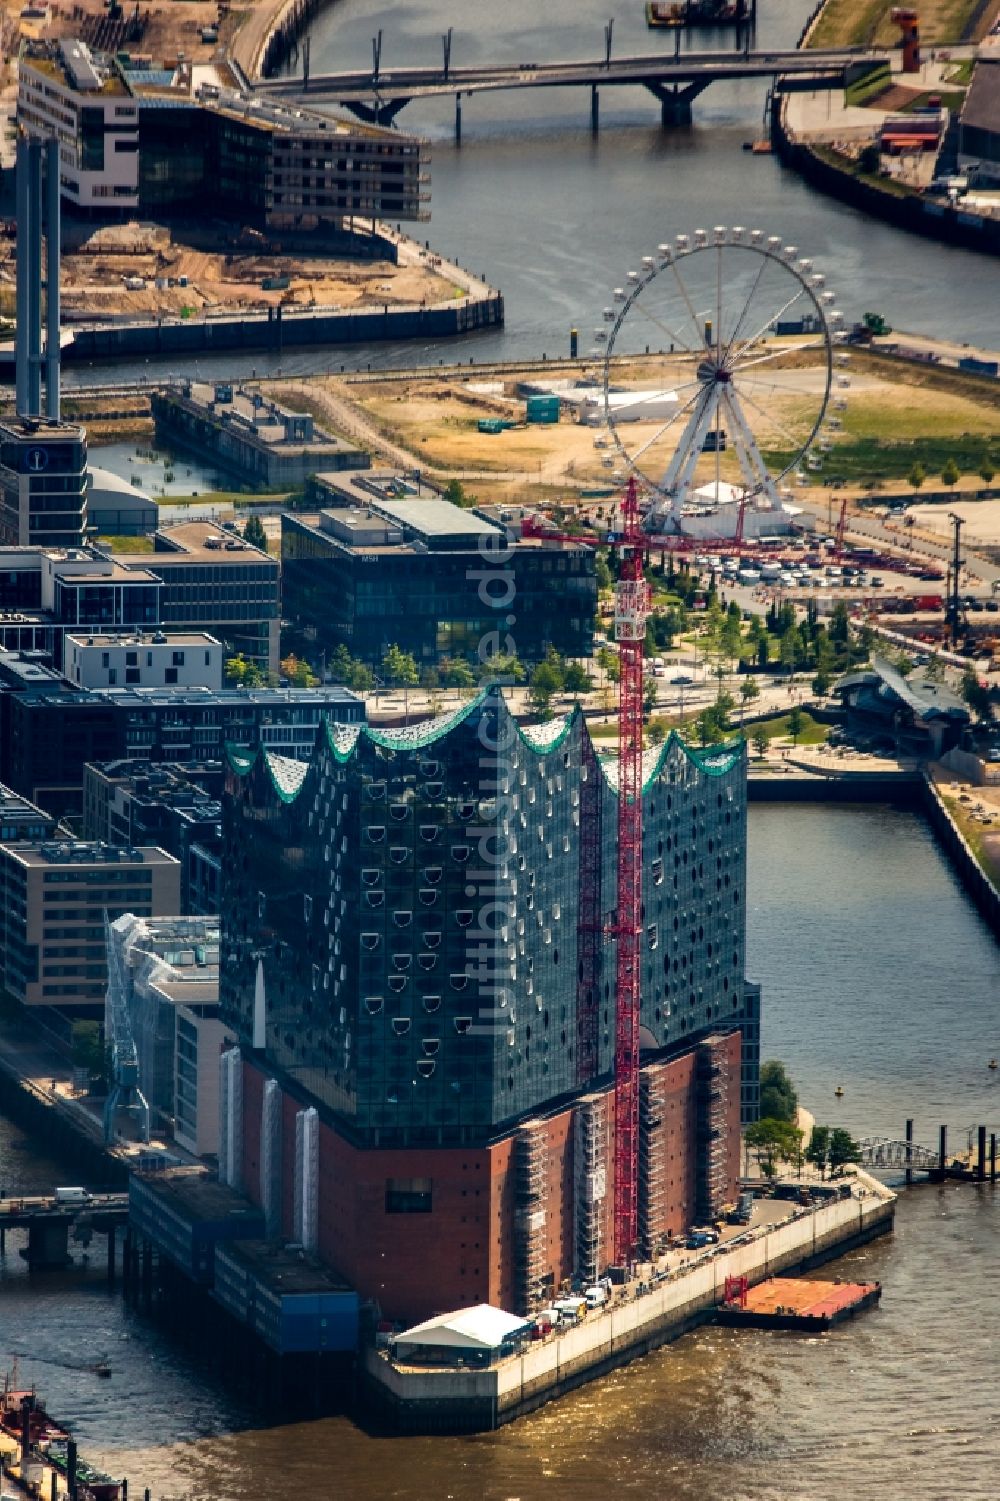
949, 473
774, 1141
819, 1147
843, 1149
822, 682
576, 678
749, 690
917, 476
608, 662
778, 1098
546, 682
840, 623
731, 636
650, 693
760, 741
796, 723
298, 673
602, 572
456, 673
455, 492
360, 678
340, 664
987, 471
400, 670
502, 667
254, 533
791, 649
88, 1049
976, 694
243, 673
934, 671
657, 732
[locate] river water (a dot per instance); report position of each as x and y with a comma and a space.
878, 976
555, 217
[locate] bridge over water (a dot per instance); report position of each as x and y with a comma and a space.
49, 1223
675, 79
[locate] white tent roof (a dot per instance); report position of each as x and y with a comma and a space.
479, 1328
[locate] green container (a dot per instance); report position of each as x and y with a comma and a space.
543, 408
491, 425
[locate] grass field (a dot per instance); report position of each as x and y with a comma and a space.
812, 732
855, 23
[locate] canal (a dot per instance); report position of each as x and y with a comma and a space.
878, 976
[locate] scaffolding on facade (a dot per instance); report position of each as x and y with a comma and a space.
590, 1176
530, 1164
652, 1164
713, 1099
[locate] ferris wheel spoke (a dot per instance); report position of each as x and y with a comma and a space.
672, 335
644, 447
796, 444
762, 330
746, 306
699, 331
636, 398
776, 354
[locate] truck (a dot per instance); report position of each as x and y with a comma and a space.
71, 1196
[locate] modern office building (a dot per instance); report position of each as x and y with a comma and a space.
169, 967
212, 580
80, 97
53, 898
143, 659
381, 564
157, 141
21, 820
50, 728
174, 805
422, 987
43, 483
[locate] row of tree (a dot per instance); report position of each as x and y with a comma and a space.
777, 1138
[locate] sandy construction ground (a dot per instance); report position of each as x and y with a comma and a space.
94, 276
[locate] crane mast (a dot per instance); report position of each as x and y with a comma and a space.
631, 609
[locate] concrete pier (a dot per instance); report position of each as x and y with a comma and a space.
468, 1401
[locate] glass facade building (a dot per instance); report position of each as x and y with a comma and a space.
431, 907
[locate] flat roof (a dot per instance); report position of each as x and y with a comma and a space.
153, 638
200, 1196
187, 542
198, 695
283, 1270
433, 518
39, 429
13, 805
83, 854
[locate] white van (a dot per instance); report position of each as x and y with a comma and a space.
596, 1296
71, 1196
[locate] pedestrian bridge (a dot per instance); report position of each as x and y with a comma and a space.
881, 1152
675, 79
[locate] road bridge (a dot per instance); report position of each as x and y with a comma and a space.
50, 1221
675, 79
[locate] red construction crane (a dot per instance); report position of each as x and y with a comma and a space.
841, 532
631, 609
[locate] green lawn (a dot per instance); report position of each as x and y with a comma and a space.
860, 459
812, 733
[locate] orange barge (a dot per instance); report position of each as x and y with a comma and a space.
795, 1303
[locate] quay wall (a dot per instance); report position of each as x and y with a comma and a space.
936, 221
968, 869
53, 1129
428, 1401
221, 335
898, 787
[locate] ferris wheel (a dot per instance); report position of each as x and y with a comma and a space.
750, 331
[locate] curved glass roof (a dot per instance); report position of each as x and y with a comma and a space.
287, 775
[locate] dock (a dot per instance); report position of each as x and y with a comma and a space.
475, 1399
798, 1303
